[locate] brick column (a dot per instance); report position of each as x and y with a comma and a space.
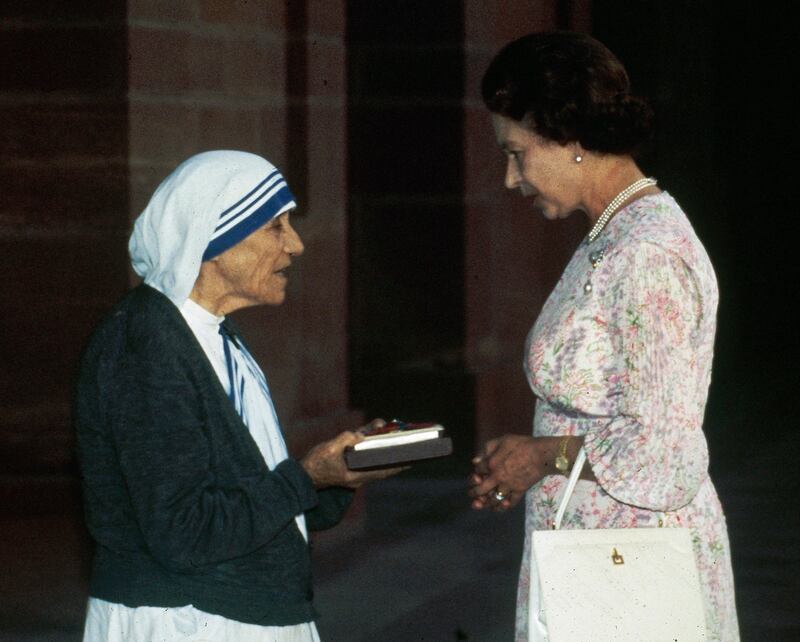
266, 77
513, 256
307, 356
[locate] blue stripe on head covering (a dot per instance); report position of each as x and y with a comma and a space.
270, 198
207, 204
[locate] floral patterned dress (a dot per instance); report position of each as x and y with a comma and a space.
621, 354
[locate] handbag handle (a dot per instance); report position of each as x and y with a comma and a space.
577, 468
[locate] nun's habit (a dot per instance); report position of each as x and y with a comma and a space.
206, 206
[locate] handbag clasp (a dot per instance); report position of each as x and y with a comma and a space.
617, 558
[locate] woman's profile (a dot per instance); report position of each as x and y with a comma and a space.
620, 356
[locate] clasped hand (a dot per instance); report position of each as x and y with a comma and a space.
507, 467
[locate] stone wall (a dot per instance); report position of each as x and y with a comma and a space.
265, 77
513, 256
102, 99
99, 102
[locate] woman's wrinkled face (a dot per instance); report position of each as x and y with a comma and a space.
253, 270
540, 168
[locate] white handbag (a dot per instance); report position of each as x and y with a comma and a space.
613, 585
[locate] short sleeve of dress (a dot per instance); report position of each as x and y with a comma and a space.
652, 453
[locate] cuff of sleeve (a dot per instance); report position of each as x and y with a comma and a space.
333, 504
297, 477
640, 482
599, 455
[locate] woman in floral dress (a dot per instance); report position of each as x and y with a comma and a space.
620, 356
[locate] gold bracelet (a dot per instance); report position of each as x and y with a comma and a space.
562, 463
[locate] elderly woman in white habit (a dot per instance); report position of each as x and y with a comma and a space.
199, 515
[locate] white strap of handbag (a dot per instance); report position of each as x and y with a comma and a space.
577, 468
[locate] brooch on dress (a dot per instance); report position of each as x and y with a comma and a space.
595, 258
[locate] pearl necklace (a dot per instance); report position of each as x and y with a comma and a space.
618, 200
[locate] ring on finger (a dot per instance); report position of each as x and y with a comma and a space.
499, 495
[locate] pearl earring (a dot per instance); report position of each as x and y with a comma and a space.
578, 158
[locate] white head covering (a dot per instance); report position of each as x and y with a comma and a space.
208, 204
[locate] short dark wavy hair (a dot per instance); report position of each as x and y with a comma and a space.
568, 87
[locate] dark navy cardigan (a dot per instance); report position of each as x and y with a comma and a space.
178, 498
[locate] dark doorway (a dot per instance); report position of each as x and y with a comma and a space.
405, 174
